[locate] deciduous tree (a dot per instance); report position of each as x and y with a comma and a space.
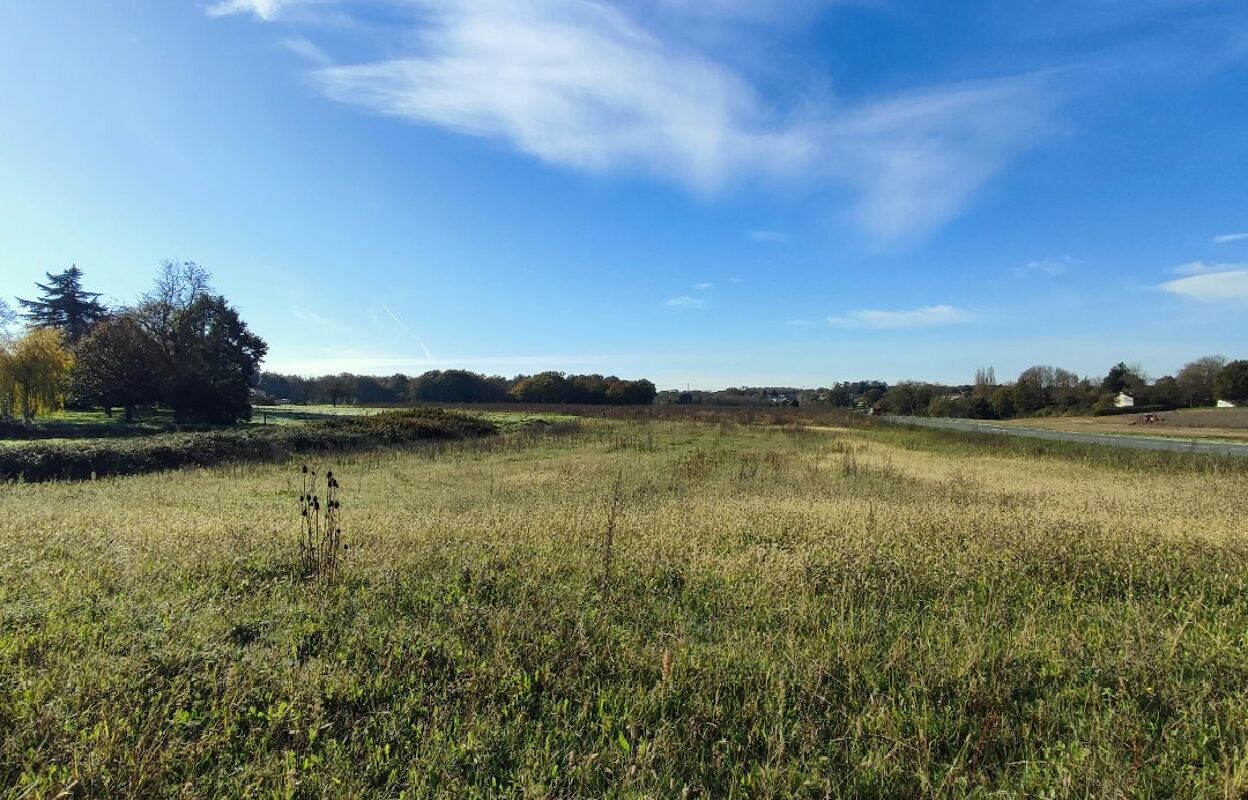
1196, 379
209, 359
34, 371
118, 364
219, 361
1232, 383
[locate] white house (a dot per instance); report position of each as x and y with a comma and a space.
1225, 404
1124, 400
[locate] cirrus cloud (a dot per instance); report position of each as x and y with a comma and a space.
264, 9
602, 88
924, 317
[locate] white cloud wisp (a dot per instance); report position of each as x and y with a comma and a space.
924, 317
583, 86
1228, 283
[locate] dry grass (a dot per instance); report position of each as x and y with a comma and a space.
635, 609
1189, 423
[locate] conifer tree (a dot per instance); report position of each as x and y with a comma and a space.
65, 306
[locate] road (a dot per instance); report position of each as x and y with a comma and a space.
1199, 446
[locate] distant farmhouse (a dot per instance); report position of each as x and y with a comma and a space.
1225, 404
1124, 400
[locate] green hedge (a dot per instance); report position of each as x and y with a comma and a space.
81, 459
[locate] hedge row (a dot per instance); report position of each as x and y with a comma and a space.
82, 459
1125, 410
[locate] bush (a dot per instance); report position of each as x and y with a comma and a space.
80, 460
1111, 411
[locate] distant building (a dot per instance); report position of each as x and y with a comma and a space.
1124, 400
1225, 404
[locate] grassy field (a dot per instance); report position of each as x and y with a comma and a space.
1189, 423
95, 424
292, 414
647, 608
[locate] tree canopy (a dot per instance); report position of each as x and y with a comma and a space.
118, 364
34, 371
1232, 383
1196, 379
65, 306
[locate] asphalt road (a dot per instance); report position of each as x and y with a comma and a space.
1111, 440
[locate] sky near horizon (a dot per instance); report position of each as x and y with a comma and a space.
702, 192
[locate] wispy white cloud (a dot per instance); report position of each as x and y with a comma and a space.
305, 49
926, 316
736, 280
1228, 282
767, 236
702, 287
309, 317
315, 11
1227, 238
586, 85
1050, 267
264, 9
1201, 268
918, 158
685, 301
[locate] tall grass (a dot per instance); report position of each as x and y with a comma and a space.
789, 614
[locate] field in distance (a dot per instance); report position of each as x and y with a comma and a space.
1189, 423
638, 608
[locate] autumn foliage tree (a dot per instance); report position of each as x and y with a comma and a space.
34, 373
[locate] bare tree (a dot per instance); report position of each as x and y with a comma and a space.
985, 382
178, 285
1197, 377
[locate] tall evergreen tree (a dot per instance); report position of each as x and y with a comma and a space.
65, 306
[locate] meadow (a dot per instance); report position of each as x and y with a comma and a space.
650, 607
1230, 424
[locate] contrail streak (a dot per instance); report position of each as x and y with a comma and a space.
419, 341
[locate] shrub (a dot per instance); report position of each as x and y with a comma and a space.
82, 459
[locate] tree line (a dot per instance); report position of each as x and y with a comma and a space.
180, 345
454, 386
1046, 390
1038, 390
845, 394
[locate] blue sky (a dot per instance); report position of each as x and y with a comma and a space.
712, 192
